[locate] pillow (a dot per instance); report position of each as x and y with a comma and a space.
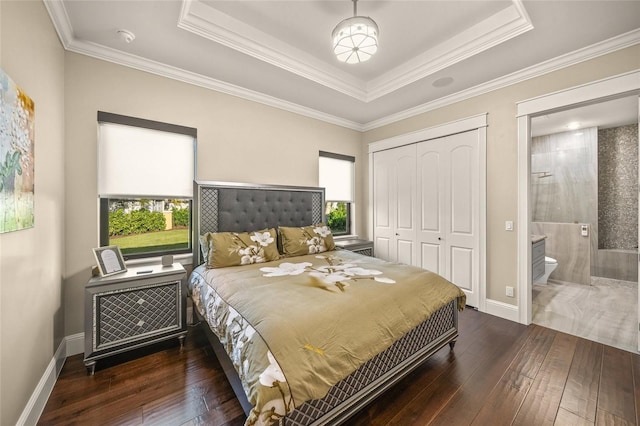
233, 249
205, 246
306, 240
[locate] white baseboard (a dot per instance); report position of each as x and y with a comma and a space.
70, 345
75, 344
502, 310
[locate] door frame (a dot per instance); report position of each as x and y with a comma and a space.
476, 122
618, 86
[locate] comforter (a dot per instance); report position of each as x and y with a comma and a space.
295, 327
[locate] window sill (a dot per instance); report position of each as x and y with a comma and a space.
345, 237
183, 258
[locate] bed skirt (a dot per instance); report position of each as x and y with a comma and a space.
370, 380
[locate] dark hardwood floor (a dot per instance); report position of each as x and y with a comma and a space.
500, 373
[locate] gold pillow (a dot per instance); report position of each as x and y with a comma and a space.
233, 249
306, 240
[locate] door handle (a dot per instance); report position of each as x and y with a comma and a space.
439, 239
397, 235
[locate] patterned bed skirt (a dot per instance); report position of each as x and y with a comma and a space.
370, 380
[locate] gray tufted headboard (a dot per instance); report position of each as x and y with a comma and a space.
241, 207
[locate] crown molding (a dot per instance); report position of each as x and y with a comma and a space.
203, 20
63, 27
61, 22
498, 28
613, 44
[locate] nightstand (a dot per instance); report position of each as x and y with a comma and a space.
141, 306
356, 245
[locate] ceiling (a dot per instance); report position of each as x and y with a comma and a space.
431, 53
603, 115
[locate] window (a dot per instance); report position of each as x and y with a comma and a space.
336, 176
145, 184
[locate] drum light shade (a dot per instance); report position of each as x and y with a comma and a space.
355, 39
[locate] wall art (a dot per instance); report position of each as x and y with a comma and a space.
17, 125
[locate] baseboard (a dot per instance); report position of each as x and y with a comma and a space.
75, 344
70, 345
502, 310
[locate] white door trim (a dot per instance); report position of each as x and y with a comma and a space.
476, 122
458, 126
612, 87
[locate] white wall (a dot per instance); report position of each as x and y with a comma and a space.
31, 260
238, 140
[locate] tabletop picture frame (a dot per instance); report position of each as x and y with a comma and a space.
110, 260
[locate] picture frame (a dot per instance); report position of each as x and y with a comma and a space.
110, 260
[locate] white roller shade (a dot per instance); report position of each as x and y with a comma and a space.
336, 176
140, 162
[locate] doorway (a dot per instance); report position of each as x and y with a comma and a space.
616, 87
584, 208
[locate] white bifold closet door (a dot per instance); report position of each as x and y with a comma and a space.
427, 208
394, 186
448, 202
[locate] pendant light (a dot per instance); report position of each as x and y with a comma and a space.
355, 39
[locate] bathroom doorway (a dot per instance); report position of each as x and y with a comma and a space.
584, 216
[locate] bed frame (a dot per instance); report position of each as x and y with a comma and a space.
235, 207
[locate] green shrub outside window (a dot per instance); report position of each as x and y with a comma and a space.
338, 217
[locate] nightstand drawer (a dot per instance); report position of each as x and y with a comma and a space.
136, 308
125, 315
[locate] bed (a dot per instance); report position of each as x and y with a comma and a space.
311, 336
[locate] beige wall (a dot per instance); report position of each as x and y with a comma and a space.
502, 151
31, 260
43, 270
238, 141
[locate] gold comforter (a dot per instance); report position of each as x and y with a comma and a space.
295, 327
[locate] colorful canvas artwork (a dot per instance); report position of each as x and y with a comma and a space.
17, 125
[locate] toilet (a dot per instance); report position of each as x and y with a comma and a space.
550, 264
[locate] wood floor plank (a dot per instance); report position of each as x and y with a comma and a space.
604, 418
168, 387
380, 412
477, 372
616, 394
464, 406
580, 395
567, 418
529, 361
542, 402
406, 390
506, 397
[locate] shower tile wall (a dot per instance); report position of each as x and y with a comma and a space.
564, 177
618, 187
617, 203
564, 184
565, 244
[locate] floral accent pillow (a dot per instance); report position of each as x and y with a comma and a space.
306, 240
233, 249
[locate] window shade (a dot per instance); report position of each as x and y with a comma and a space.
134, 161
336, 176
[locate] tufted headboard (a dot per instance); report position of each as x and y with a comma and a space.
242, 207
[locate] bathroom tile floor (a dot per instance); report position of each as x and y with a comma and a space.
605, 312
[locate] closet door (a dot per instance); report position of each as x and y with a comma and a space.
432, 190
449, 195
394, 186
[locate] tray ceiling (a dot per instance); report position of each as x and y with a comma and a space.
279, 52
